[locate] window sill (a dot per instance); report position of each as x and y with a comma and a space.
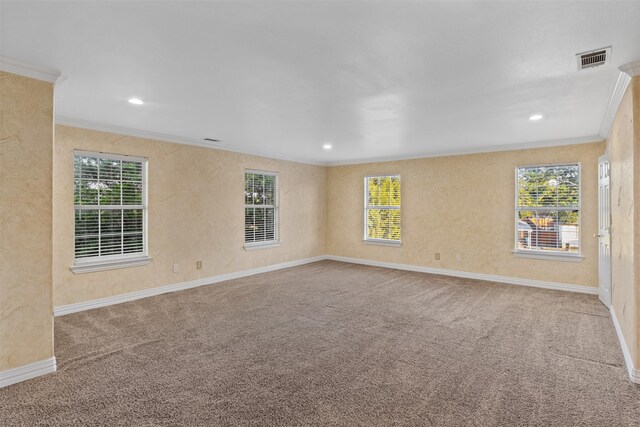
549, 257
92, 266
256, 246
393, 243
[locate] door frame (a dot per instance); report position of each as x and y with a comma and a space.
604, 283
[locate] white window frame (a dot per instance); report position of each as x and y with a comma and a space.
549, 255
249, 246
108, 262
384, 242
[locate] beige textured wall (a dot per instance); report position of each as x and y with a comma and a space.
196, 212
621, 156
26, 138
462, 205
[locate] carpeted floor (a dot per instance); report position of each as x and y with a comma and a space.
332, 343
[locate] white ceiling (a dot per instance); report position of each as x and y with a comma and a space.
374, 79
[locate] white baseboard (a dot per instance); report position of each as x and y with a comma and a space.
40, 368
117, 299
468, 275
132, 296
26, 372
634, 374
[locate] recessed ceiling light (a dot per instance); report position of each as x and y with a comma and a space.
535, 117
136, 101
327, 146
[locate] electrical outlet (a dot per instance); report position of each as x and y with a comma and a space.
198, 265
176, 268
437, 256
458, 257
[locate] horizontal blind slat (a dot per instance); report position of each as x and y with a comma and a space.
260, 193
382, 206
108, 203
548, 208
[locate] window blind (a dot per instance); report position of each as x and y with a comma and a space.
261, 207
382, 208
109, 203
548, 208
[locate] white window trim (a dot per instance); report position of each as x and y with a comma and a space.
261, 245
549, 255
110, 262
382, 242
252, 246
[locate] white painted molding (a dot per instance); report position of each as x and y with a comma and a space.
26, 372
132, 296
137, 133
380, 242
632, 68
258, 246
21, 68
634, 374
474, 150
614, 103
548, 256
91, 267
40, 368
468, 275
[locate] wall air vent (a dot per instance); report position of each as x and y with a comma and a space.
593, 58
212, 140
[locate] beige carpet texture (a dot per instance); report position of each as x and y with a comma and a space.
335, 344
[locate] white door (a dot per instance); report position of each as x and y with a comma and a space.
603, 236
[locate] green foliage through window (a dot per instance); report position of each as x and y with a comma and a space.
108, 203
548, 208
383, 208
261, 210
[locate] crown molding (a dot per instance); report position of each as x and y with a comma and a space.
25, 69
120, 130
632, 68
475, 150
614, 103
138, 133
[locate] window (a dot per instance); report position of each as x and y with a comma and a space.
260, 208
110, 210
382, 209
548, 209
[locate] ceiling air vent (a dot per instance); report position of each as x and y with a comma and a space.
212, 140
593, 58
